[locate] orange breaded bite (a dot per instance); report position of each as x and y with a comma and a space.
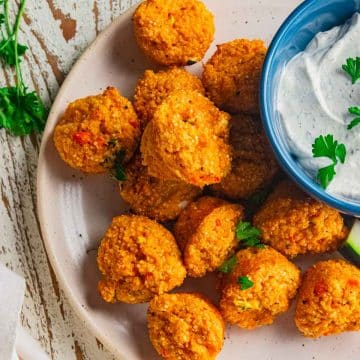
205, 232
294, 223
153, 88
158, 199
93, 130
187, 140
329, 299
232, 76
253, 165
185, 326
271, 283
139, 259
174, 32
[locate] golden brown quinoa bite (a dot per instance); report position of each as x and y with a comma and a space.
294, 223
253, 164
174, 32
187, 140
185, 326
205, 232
275, 281
154, 87
94, 129
329, 299
138, 259
232, 76
161, 200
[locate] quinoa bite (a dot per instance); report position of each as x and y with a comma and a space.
187, 140
173, 32
93, 130
138, 259
154, 87
232, 76
185, 326
161, 200
275, 281
329, 299
253, 164
205, 232
294, 223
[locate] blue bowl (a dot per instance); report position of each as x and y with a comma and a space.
311, 17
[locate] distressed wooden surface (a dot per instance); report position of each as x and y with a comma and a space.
57, 32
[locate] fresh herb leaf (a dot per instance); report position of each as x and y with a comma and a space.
326, 175
228, 265
326, 146
352, 67
254, 242
119, 168
21, 112
245, 283
355, 110
245, 230
259, 197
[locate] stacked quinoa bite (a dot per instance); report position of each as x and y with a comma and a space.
190, 155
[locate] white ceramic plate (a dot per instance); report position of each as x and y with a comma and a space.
75, 209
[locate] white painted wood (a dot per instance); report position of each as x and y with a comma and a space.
56, 31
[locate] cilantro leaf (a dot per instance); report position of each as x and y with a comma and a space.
326, 146
352, 67
245, 283
2, 17
355, 110
7, 51
118, 166
245, 230
228, 265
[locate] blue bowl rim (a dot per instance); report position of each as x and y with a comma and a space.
303, 180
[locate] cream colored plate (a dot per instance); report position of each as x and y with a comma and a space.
75, 209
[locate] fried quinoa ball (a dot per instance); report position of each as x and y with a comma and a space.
187, 140
161, 200
253, 165
294, 223
232, 76
275, 282
139, 259
94, 129
153, 88
174, 32
329, 299
205, 232
185, 326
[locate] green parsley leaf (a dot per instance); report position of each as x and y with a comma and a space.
245, 230
326, 175
2, 18
7, 51
228, 265
245, 283
352, 67
119, 169
21, 114
326, 146
355, 122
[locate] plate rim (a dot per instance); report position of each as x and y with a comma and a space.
80, 311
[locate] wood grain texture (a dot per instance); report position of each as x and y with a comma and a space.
57, 32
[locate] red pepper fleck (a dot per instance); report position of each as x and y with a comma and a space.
218, 222
320, 288
353, 282
82, 137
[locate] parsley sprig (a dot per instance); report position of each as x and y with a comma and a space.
119, 171
245, 283
21, 112
352, 67
228, 265
248, 234
326, 146
355, 110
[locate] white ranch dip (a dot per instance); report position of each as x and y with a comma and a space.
313, 99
